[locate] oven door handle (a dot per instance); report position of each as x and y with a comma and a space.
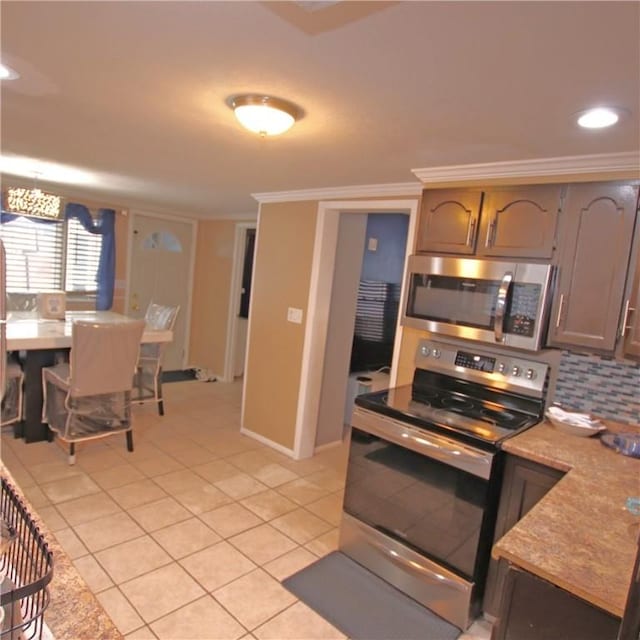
501, 305
432, 445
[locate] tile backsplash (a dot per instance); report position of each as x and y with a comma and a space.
600, 386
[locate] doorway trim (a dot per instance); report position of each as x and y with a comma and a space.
321, 283
234, 298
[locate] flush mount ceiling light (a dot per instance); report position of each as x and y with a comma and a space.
264, 115
599, 117
6, 73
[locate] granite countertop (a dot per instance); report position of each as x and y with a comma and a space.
579, 536
73, 611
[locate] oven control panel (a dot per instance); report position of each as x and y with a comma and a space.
475, 361
503, 368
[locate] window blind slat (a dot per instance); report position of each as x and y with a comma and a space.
36, 259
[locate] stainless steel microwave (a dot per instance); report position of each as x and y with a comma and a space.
487, 301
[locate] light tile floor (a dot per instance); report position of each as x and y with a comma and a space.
191, 534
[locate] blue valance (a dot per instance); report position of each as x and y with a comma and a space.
104, 225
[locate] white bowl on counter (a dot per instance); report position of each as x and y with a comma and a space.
574, 424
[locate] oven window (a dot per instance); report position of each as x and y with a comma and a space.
432, 507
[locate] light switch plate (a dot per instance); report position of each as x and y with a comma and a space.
372, 244
294, 315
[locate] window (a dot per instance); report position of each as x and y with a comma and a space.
51, 257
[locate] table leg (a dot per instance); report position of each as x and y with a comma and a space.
32, 428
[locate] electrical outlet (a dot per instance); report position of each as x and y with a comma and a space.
294, 315
372, 244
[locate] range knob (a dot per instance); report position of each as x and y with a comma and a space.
502, 367
425, 351
531, 374
436, 353
515, 371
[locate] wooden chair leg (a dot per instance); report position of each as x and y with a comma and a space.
129, 440
72, 453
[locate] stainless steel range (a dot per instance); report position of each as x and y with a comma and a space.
425, 469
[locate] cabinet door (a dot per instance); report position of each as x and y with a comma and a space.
534, 609
449, 220
520, 222
525, 483
596, 235
630, 326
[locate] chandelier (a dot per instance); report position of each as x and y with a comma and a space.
32, 202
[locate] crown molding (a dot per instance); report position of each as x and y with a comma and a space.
625, 164
330, 193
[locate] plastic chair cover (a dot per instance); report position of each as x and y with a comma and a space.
148, 383
12, 398
91, 395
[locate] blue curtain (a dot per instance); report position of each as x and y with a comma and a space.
103, 225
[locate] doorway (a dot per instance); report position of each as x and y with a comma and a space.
239, 301
161, 264
319, 313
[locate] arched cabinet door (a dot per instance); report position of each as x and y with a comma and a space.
597, 232
520, 222
449, 221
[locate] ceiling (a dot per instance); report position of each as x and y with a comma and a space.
131, 95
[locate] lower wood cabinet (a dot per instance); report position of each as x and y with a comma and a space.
524, 484
533, 609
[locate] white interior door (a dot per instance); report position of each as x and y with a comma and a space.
161, 259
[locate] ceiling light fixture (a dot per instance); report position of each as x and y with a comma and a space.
264, 115
6, 73
32, 202
599, 117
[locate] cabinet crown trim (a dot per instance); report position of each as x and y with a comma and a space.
358, 191
627, 164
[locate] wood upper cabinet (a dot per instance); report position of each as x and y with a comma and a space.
596, 236
630, 324
514, 222
520, 222
449, 220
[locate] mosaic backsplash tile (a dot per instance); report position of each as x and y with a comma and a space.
600, 386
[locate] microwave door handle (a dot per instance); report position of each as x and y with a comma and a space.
501, 305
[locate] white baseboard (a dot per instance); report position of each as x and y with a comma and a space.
329, 445
269, 443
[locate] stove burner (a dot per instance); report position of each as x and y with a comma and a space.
498, 415
456, 402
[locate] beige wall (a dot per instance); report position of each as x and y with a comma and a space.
211, 291
286, 235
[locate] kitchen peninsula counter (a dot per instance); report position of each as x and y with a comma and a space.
73, 611
579, 536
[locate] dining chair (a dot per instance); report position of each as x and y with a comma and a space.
148, 377
12, 397
21, 301
89, 397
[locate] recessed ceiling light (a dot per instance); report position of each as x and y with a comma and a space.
6, 73
599, 117
264, 115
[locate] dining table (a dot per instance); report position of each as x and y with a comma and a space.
43, 342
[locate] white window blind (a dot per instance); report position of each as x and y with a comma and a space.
83, 256
34, 255
50, 257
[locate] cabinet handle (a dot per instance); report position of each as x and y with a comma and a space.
471, 232
560, 310
491, 234
627, 310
